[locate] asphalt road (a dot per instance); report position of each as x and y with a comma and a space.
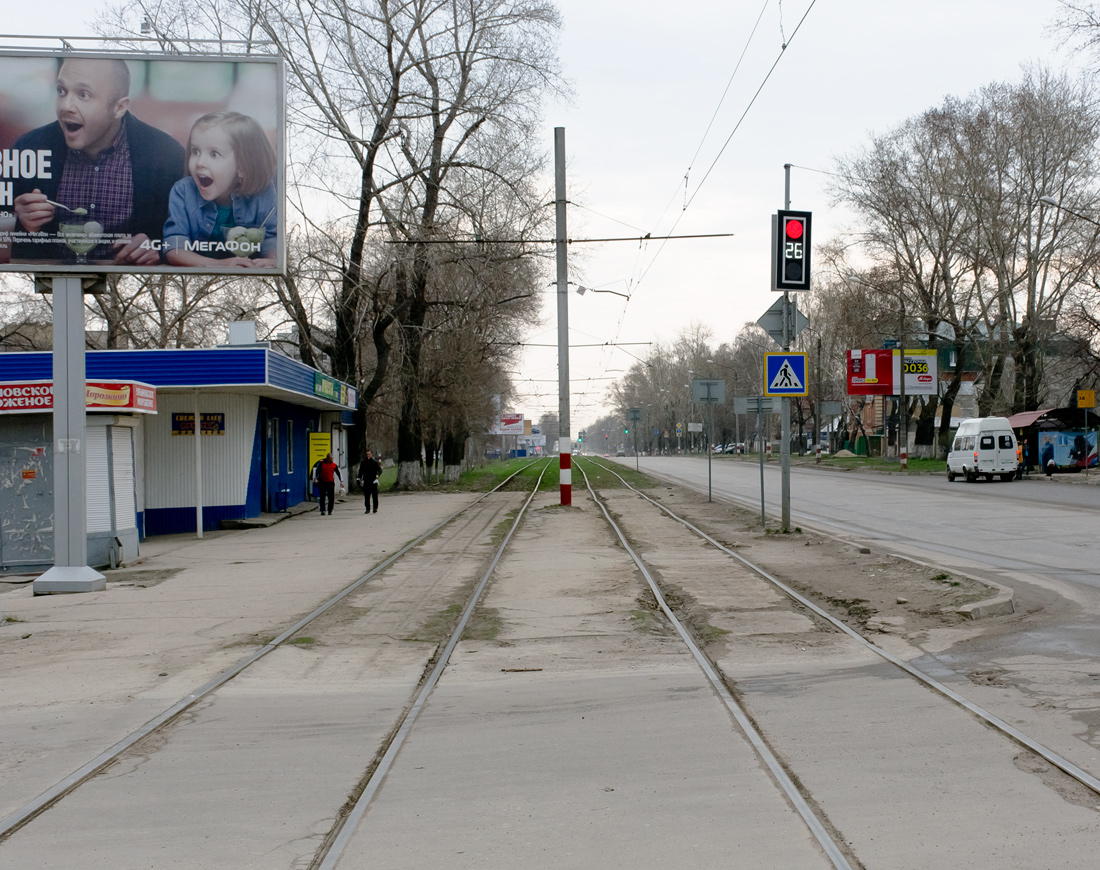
1034, 529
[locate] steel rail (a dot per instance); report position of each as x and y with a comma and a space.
351, 821
740, 716
56, 792
1065, 765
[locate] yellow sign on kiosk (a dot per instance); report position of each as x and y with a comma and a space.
320, 445
1086, 398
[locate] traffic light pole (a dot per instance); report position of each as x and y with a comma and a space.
785, 412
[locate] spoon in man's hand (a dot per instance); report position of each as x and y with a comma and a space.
73, 210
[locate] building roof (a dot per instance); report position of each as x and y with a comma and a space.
1026, 418
1056, 418
250, 370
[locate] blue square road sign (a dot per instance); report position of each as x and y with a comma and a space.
785, 374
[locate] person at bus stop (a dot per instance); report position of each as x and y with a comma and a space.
369, 472
1046, 458
107, 167
325, 476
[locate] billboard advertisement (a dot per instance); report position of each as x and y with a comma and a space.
508, 424
878, 372
136, 163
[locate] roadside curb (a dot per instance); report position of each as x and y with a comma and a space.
264, 521
1002, 603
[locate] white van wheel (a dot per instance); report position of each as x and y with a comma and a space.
1007, 477
951, 476
971, 476
989, 477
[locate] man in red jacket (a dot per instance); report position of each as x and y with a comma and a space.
325, 477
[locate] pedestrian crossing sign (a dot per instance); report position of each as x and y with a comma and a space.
785, 374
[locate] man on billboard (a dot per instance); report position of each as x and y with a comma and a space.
109, 176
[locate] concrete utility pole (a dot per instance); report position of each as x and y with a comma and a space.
565, 444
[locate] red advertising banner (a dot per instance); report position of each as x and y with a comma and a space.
138, 163
29, 397
871, 373
508, 424
878, 372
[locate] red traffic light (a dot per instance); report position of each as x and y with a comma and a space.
791, 256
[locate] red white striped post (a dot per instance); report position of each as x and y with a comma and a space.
565, 436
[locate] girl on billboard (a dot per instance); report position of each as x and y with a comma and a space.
224, 212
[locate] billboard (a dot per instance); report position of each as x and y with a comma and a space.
135, 163
508, 424
878, 372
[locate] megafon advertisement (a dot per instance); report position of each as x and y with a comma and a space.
134, 163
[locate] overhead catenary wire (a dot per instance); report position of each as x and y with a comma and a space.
688, 200
733, 132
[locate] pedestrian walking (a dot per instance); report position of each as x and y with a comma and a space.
326, 473
369, 471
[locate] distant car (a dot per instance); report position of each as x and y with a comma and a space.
620, 453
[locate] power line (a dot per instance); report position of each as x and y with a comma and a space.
737, 126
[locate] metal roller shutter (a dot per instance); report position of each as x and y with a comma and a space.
99, 495
122, 454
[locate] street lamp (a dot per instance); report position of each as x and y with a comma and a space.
581, 290
903, 411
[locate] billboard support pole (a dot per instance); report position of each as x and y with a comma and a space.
70, 571
903, 410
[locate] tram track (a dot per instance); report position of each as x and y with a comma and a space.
64, 787
997, 723
818, 827
540, 658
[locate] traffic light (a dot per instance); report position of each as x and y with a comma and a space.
792, 252
626, 430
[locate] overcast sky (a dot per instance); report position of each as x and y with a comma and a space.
648, 79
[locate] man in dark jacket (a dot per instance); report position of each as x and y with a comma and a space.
327, 472
101, 159
369, 472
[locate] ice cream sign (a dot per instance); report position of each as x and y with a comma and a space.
29, 397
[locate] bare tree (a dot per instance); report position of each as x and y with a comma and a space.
953, 224
398, 110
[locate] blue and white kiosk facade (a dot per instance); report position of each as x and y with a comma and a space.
257, 411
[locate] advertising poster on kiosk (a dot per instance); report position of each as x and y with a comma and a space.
137, 163
1068, 449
